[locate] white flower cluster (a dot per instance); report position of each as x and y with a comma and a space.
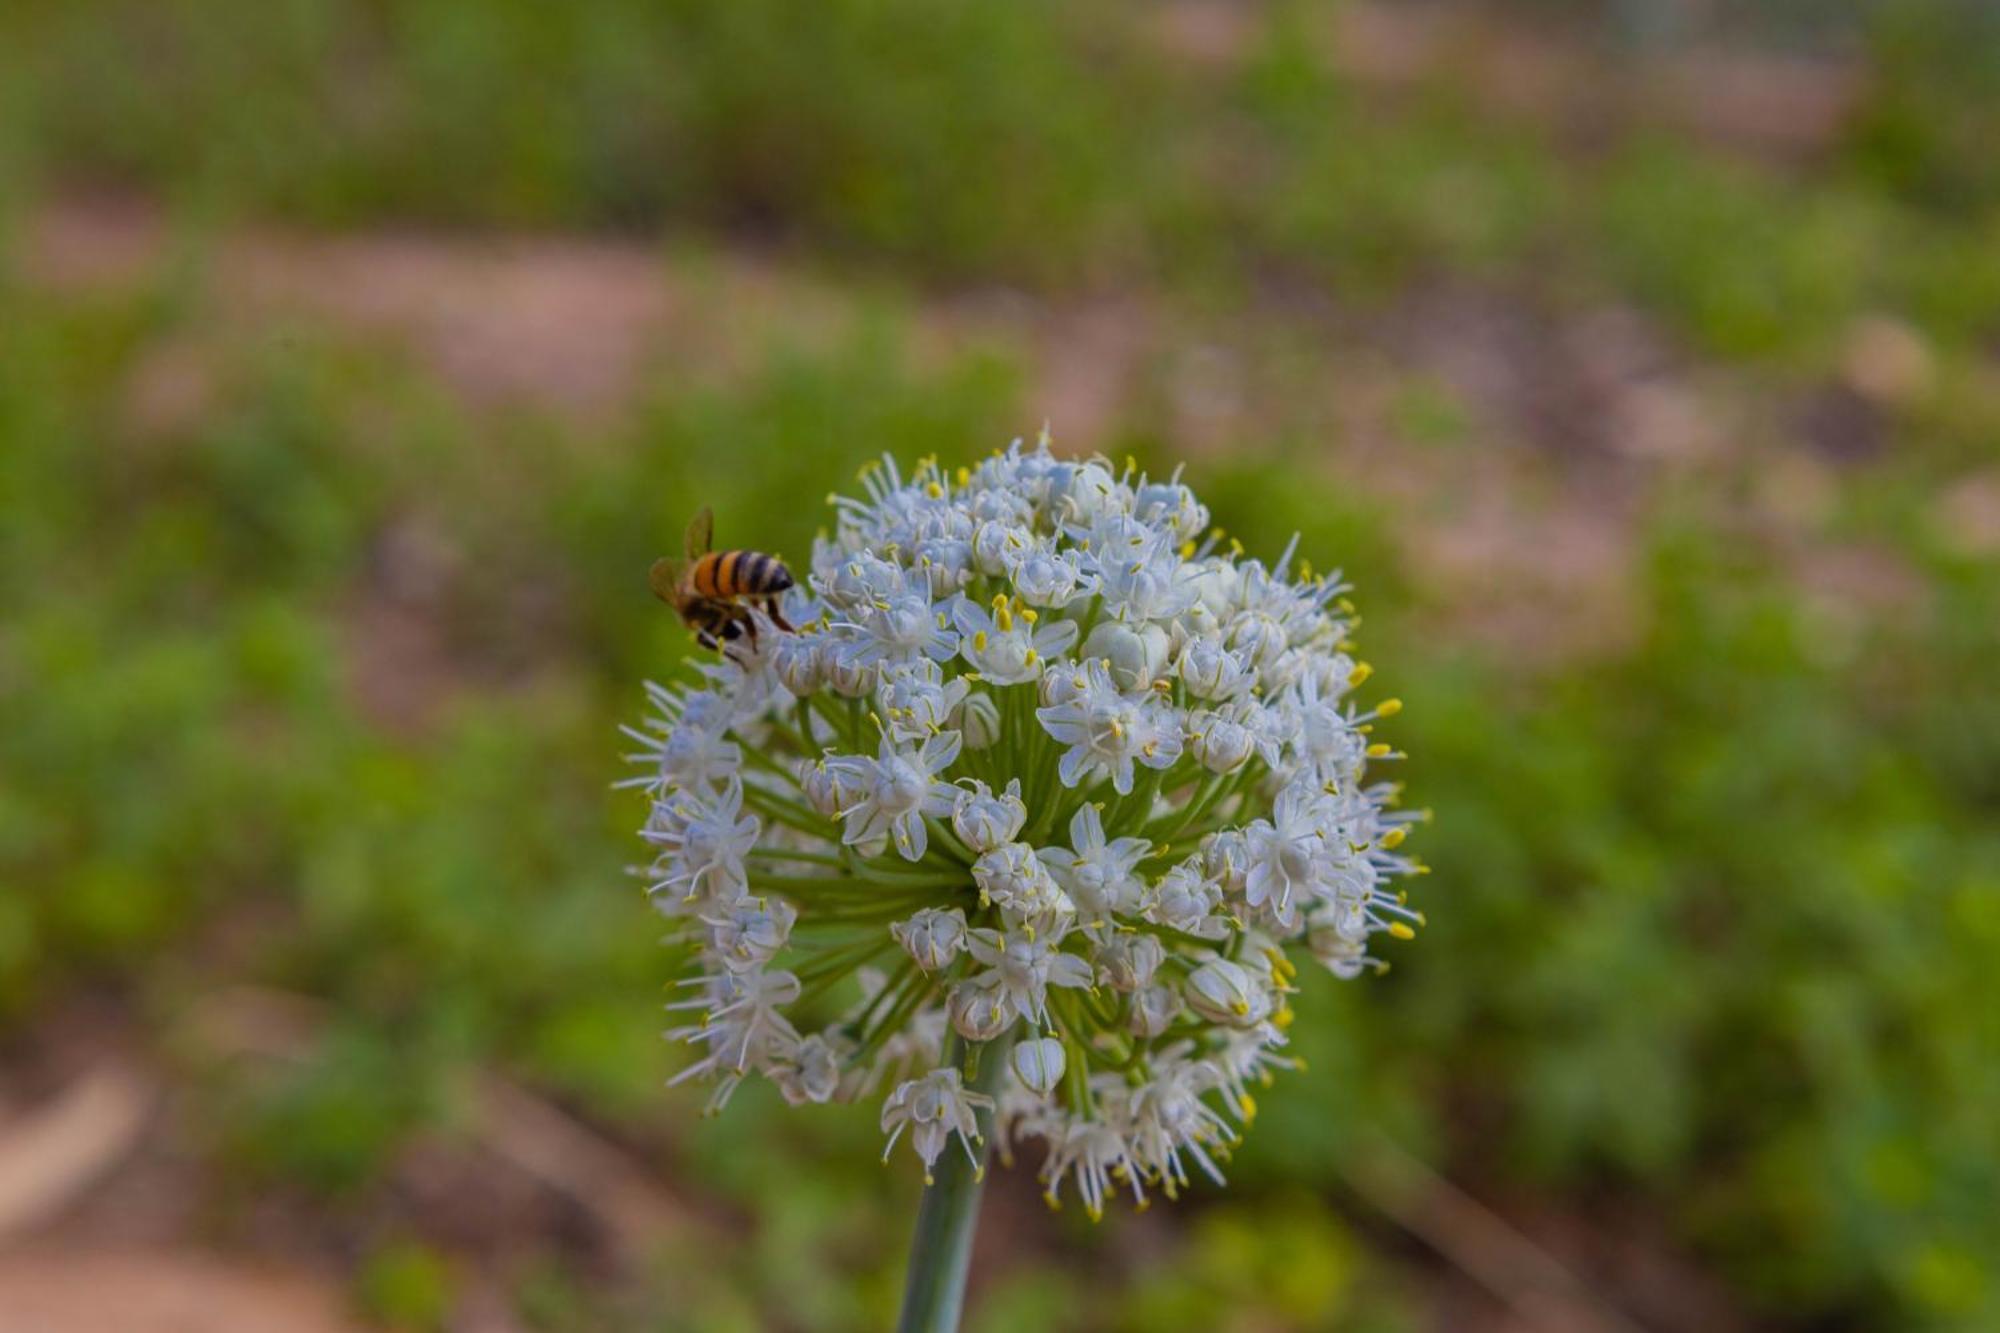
1047, 774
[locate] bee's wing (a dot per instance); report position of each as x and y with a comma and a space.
701, 533
665, 578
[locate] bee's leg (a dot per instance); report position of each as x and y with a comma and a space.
732, 630
777, 616
706, 638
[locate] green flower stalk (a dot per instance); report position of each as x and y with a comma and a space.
1050, 780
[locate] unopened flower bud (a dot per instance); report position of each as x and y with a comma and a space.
1134, 657
978, 717
1184, 898
932, 937
1224, 993
1154, 1010
978, 1008
848, 678
984, 821
799, 663
1225, 857
830, 788
1039, 1064
1257, 638
1221, 746
1079, 492
1128, 962
1210, 671
1173, 505
946, 563
1047, 580
996, 546
1059, 687
1012, 877
915, 700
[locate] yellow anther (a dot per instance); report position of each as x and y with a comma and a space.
1187, 550
934, 490
1379, 750
1389, 708
1362, 671
979, 641
1401, 931
1394, 838
1002, 615
1248, 1105
963, 476
1029, 614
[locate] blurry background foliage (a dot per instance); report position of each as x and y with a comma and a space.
312, 685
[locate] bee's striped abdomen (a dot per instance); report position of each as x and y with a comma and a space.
740, 574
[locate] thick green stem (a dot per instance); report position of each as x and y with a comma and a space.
941, 1252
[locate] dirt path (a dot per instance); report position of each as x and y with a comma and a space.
572, 326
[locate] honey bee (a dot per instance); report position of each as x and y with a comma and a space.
714, 590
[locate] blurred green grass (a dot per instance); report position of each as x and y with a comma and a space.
1714, 908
